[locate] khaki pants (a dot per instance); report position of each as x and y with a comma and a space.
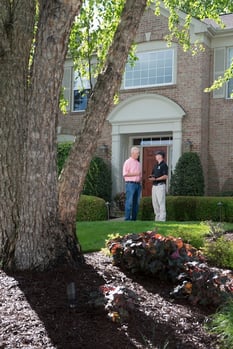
159, 202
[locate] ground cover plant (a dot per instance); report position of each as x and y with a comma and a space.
169, 258
221, 323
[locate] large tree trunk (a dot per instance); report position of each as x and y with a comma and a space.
15, 18
100, 103
37, 240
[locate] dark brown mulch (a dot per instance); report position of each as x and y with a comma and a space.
35, 312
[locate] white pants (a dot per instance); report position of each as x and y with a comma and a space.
159, 202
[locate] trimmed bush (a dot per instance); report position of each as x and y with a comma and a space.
188, 178
190, 208
91, 208
146, 212
98, 180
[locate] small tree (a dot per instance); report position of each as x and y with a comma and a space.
188, 178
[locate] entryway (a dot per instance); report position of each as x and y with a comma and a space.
139, 116
148, 162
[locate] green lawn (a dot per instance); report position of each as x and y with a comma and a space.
92, 235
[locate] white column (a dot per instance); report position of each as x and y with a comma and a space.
116, 163
177, 148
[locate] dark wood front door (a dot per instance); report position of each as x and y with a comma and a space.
148, 163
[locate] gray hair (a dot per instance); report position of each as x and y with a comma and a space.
134, 149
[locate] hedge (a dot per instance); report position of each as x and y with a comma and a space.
191, 208
91, 208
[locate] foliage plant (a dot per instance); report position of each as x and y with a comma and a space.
91, 208
221, 323
219, 252
188, 178
190, 208
174, 260
118, 301
63, 150
98, 180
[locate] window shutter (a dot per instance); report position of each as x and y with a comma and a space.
66, 84
219, 68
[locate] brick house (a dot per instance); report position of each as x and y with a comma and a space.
163, 104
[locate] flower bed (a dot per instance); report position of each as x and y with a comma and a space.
174, 260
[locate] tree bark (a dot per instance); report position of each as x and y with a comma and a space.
36, 239
14, 58
99, 105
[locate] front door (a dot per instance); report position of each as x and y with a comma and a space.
148, 163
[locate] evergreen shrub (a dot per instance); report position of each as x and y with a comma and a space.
91, 208
98, 179
146, 212
191, 208
188, 178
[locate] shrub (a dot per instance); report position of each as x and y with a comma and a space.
91, 208
98, 180
63, 150
188, 179
219, 252
146, 212
191, 208
221, 323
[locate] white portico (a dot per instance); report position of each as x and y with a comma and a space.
140, 116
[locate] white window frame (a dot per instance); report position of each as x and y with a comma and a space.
229, 60
150, 48
221, 63
82, 84
69, 83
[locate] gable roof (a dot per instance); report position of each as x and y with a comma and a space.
227, 20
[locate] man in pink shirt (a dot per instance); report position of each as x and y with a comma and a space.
132, 173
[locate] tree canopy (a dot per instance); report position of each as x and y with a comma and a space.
93, 30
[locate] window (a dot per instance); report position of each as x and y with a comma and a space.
153, 68
230, 82
153, 141
81, 89
76, 90
222, 59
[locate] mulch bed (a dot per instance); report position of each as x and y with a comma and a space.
35, 312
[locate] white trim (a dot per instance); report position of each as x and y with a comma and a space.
143, 114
